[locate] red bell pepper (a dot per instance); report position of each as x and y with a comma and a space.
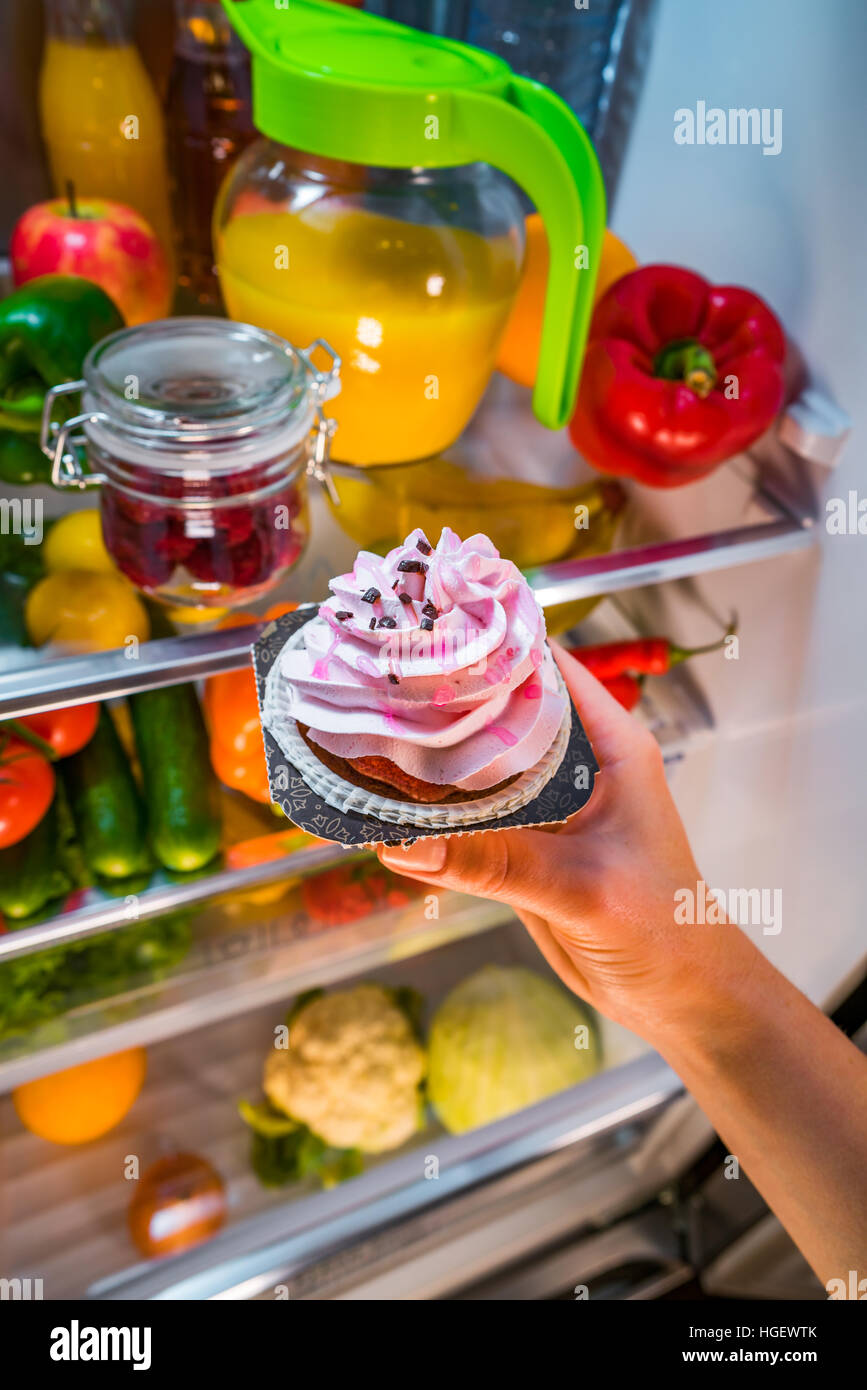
678, 376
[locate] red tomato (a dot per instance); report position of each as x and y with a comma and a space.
26, 789
66, 730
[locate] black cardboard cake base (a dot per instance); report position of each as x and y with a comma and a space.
568, 790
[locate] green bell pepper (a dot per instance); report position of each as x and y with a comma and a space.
47, 328
21, 459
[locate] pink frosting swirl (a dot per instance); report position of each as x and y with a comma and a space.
435, 659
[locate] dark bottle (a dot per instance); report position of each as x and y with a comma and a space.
210, 122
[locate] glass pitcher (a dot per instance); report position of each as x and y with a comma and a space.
381, 213
409, 273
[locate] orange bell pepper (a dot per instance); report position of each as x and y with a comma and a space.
232, 710
262, 850
247, 774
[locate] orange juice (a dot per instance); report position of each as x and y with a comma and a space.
103, 127
415, 311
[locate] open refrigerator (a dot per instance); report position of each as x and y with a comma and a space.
614, 1184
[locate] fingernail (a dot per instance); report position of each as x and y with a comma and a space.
427, 856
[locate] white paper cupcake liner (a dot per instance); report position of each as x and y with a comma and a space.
346, 796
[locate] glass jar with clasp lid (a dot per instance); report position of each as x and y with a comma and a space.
200, 434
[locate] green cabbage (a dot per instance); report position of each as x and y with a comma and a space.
503, 1039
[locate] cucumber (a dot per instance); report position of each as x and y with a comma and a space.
30, 874
107, 809
179, 783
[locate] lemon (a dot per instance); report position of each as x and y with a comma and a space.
85, 611
75, 543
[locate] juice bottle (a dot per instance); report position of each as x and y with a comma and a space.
210, 122
101, 120
408, 275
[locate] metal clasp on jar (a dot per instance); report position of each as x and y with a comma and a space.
58, 442
324, 386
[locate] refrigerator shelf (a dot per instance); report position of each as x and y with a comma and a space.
673, 707
242, 956
45, 685
94, 911
72, 1229
755, 508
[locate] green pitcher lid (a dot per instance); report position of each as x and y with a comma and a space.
340, 83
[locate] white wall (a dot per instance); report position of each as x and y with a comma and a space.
781, 800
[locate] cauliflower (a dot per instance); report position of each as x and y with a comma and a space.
351, 1071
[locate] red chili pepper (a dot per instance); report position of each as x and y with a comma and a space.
648, 656
678, 375
625, 689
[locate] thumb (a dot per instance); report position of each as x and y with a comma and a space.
510, 866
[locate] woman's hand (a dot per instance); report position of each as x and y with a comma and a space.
598, 893
784, 1089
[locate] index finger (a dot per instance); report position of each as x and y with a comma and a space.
612, 731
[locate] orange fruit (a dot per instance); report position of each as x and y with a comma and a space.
81, 1103
519, 348
617, 261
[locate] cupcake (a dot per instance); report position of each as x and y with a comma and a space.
423, 690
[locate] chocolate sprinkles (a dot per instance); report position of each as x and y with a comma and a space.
342, 615
371, 596
387, 622
412, 567
423, 547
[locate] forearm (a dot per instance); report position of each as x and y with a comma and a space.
787, 1093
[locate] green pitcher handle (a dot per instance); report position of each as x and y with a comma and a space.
534, 138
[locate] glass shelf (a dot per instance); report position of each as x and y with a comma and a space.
239, 954
73, 1227
755, 508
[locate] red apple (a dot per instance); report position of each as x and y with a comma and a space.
105, 242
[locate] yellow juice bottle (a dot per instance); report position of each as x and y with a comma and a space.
101, 119
378, 264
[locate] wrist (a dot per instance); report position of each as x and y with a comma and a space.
716, 1014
